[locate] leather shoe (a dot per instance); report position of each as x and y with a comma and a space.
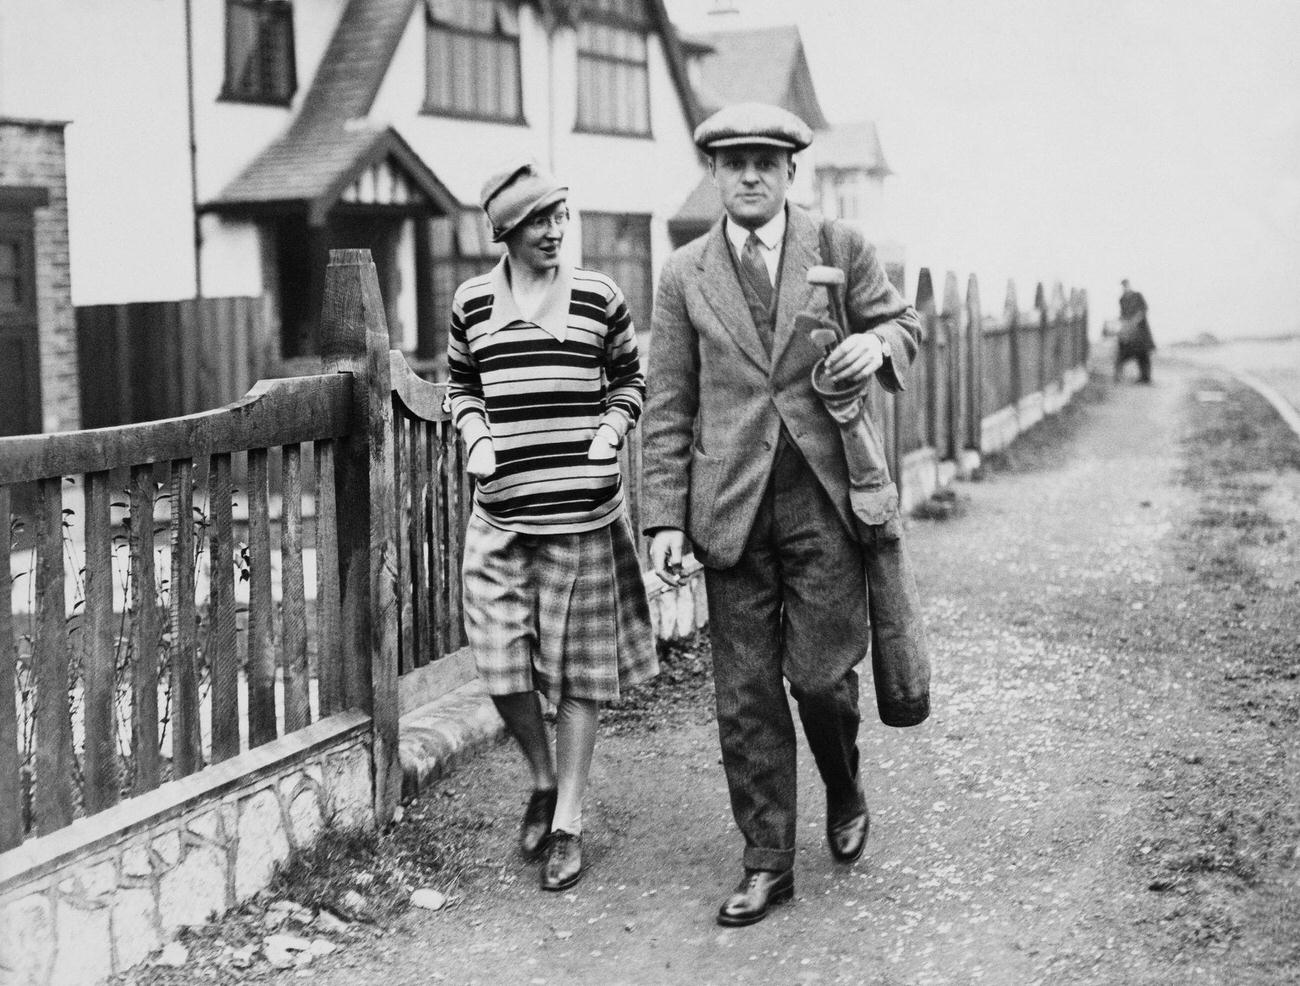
847, 839
563, 866
536, 825
758, 890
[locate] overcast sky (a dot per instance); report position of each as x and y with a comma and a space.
1082, 141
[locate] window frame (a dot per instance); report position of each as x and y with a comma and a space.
467, 35
640, 295
279, 9
641, 26
458, 247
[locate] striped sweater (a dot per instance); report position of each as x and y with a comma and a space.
539, 389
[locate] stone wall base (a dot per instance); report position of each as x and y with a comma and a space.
99, 896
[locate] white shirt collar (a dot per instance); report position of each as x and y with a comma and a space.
770, 234
552, 317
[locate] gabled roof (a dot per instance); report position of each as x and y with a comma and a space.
703, 204
330, 141
765, 65
851, 147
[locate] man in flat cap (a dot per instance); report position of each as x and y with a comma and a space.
742, 458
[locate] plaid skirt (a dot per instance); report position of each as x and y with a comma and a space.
565, 614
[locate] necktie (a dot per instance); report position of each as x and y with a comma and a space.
751, 262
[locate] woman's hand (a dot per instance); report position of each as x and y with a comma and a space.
604, 444
482, 461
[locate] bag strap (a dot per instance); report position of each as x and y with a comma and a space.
827, 251
827, 246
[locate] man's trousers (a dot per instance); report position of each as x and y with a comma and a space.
794, 607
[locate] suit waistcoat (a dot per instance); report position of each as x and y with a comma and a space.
764, 316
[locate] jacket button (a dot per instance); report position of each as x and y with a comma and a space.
767, 445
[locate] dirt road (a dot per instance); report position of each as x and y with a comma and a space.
1107, 792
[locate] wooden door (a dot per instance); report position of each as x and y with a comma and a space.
20, 366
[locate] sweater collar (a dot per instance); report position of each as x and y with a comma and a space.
553, 315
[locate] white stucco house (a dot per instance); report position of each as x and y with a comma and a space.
221, 148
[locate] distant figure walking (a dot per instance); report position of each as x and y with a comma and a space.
1134, 341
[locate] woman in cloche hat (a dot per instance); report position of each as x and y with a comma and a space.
545, 383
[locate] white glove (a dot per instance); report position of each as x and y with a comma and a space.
482, 461
604, 444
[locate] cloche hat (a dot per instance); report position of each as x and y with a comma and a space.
515, 192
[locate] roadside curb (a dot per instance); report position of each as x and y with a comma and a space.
435, 737
1280, 404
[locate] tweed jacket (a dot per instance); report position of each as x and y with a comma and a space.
716, 402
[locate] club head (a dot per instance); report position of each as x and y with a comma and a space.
825, 276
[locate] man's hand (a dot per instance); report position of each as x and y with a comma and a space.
604, 444
854, 360
666, 547
482, 461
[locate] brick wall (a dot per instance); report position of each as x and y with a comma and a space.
32, 155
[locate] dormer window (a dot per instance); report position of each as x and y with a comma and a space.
613, 74
472, 60
259, 52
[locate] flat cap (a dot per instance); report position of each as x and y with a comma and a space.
753, 123
515, 192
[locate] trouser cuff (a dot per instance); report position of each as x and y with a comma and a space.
768, 859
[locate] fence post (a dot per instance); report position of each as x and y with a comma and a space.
954, 318
1059, 323
975, 364
930, 351
1083, 327
1040, 307
1011, 316
354, 339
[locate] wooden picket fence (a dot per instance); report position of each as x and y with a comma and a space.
973, 367
149, 360
162, 620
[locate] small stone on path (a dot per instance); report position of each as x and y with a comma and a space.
428, 899
174, 954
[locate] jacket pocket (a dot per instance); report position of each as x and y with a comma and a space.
705, 477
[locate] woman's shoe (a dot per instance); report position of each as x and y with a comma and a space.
563, 866
536, 825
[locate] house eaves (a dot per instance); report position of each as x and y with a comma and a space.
852, 147
330, 140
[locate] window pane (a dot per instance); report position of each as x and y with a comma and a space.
462, 78
438, 70
241, 47
509, 55
474, 72
259, 49
613, 88
640, 85
440, 236
619, 245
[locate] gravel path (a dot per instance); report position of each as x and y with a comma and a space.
1105, 794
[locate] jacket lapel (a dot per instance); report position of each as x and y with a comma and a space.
802, 250
721, 288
